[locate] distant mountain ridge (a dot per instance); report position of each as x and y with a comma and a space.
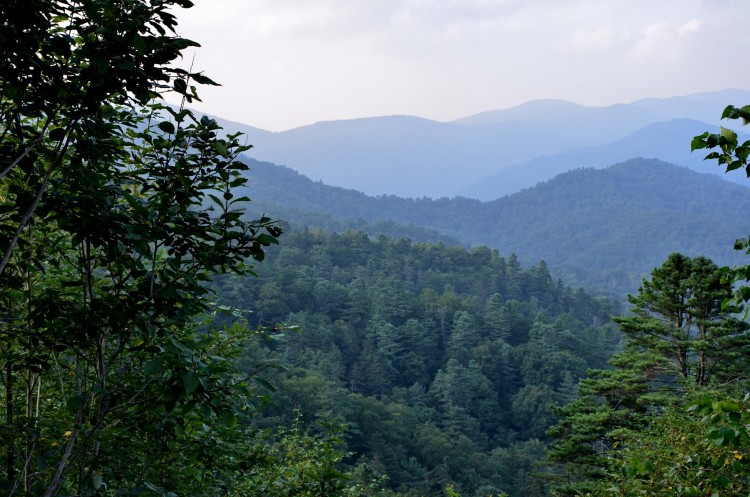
666, 140
415, 157
600, 227
697, 106
605, 123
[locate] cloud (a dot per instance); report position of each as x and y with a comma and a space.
598, 39
291, 62
690, 27
663, 41
654, 42
286, 21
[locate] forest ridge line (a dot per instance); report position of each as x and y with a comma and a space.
491, 154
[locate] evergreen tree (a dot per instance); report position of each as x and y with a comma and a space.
678, 314
608, 402
678, 338
494, 317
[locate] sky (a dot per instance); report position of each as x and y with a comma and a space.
288, 63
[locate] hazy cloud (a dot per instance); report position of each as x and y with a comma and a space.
596, 39
691, 26
290, 62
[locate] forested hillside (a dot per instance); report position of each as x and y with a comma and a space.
161, 336
601, 228
441, 361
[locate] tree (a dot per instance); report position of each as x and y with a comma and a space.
115, 210
495, 318
678, 314
691, 439
464, 337
610, 402
678, 338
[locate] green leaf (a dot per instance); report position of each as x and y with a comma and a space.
221, 148
97, 481
191, 382
167, 127
729, 406
699, 142
265, 384
57, 134
728, 112
729, 135
139, 43
203, 80
180, 86
183, 43
266, 239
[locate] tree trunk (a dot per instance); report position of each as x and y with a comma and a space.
10, 456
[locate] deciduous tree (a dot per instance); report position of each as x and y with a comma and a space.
114, 212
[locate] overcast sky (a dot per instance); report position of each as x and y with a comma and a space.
287, 63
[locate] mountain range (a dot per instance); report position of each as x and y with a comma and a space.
491, 154
601, 228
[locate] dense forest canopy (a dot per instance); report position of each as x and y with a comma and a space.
443, 362
142, 352
603, 229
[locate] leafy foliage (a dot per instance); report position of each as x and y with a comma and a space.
732, 155
698, 447
297, 463
115, 211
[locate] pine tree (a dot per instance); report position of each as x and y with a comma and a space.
678, 338
678, 314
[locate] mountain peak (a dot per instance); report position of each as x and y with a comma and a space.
533, 110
